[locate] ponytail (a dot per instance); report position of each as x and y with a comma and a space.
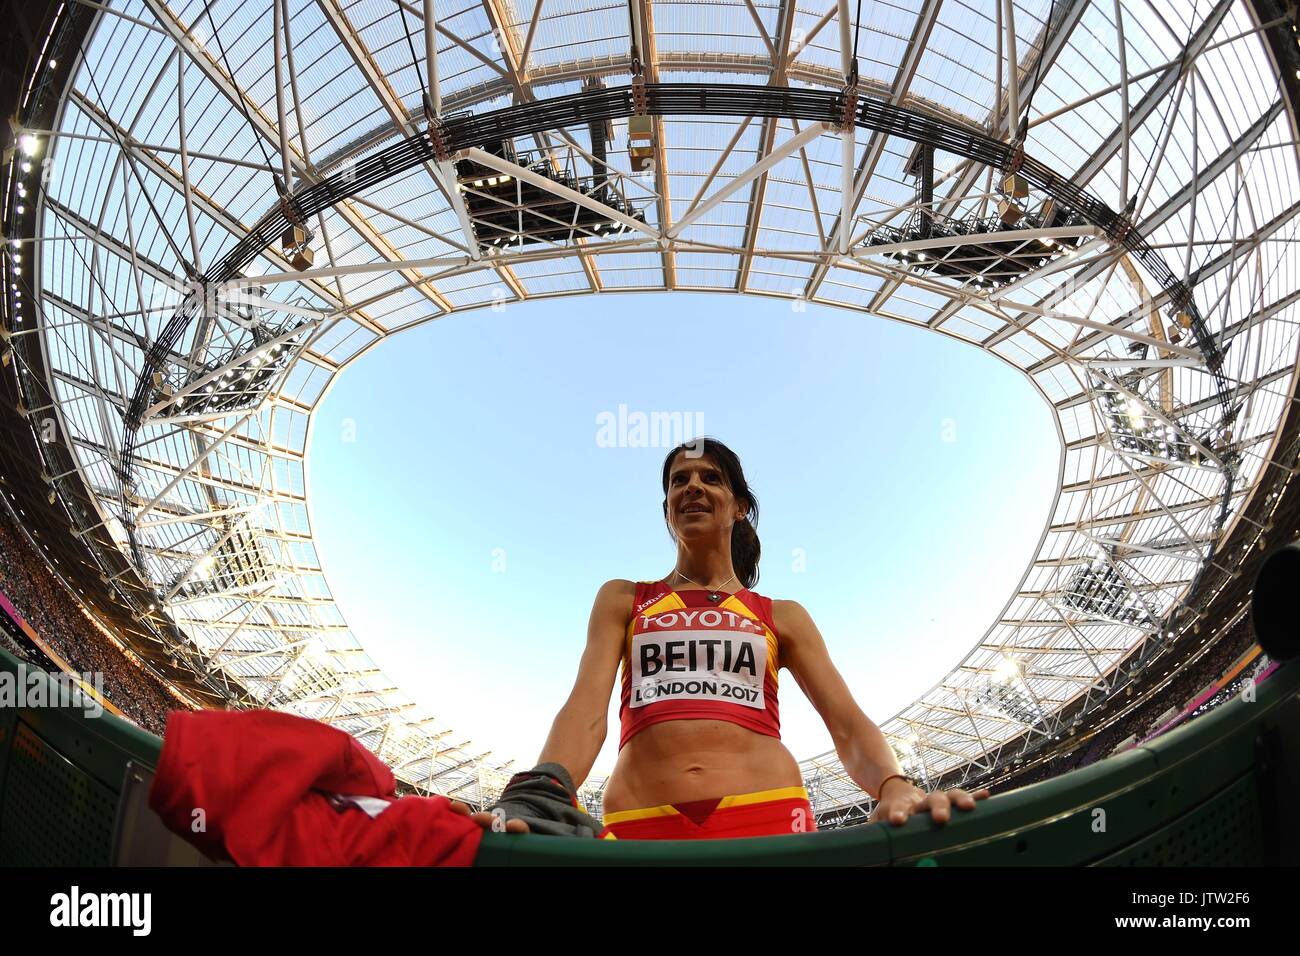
745, 552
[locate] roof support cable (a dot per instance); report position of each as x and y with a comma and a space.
1011, 184
1022, 124
857, 26
257, 137
190, 271
296, 240
1181, 294
432, 118
415, 65
636, 62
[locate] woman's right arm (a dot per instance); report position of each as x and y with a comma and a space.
578, 731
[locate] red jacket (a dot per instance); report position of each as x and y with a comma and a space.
279, 790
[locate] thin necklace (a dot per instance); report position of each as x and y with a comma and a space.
714, 596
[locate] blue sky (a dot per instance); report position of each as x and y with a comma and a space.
466, 512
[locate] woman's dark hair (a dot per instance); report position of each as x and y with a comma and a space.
745, 547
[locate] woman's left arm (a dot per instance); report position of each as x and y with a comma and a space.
866, 755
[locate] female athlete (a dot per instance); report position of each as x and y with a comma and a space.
700, 754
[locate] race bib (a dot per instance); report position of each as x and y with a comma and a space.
723, 666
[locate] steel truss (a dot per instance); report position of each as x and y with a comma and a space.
194, 499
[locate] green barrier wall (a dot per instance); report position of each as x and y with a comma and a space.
1214, 792
61, 772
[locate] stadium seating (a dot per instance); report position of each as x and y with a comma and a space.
1213, 792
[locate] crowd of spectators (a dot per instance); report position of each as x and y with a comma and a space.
14, 648
1184, 685
59, 621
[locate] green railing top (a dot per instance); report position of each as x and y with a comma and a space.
1053, 822
95, 743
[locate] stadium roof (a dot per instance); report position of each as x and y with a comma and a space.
1103, 195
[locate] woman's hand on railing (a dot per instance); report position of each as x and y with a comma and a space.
899, 802
487, 820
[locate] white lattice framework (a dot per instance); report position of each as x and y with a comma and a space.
181, 116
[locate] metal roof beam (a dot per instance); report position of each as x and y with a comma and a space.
875, 145
266, 128
1154, 96
766, 139
642, 13
1243, 247
1158, 218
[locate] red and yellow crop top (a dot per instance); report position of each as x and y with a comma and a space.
687, 658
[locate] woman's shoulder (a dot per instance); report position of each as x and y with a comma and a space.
621, 590
784, 613
615, 589
622, 594
626, 586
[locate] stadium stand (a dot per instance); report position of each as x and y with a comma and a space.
1142, 718
60, 624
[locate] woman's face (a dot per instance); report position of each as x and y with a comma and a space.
699, 500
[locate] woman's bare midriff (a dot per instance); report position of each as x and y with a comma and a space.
682, 760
